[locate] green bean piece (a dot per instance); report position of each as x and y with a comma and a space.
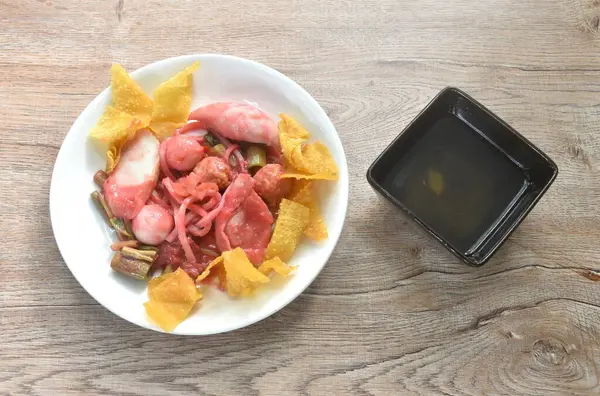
119, 226
131, 267
257, 157
100, 177
116, 224
219, 149
103, 206
148, 247
210, 139
145, 255
128, 227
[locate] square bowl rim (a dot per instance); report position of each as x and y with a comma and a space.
522, 213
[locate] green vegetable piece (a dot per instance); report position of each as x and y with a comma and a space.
100, 177
102, 206
131, 267
257, 157
145, 255
219, 149
210, 139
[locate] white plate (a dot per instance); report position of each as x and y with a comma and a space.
84, 239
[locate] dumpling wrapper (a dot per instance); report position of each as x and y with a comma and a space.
275, 264
290, 225
128, 96
304, 160
131, 109
172, 297
114, 128
241, 277
303, 193
172, 102
207, 270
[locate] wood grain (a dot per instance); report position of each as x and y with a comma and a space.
392, 313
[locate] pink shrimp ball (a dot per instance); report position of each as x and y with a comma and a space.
152, 225
183, 153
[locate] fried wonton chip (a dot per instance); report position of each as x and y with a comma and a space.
172, 297
114, 129
291, 222
304, 194
219, 274
113, 155
172, 101
275, 264
129, 111
114, 126
301, 191
304, 160
128, 96
233, 268
206, 272
242, 277
167, 315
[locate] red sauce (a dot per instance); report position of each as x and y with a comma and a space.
172, 254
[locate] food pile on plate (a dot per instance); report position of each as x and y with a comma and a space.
216, 197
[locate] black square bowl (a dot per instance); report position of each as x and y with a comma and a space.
461, 138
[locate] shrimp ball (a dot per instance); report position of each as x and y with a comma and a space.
269, 184
214, 170
183, 152
152, 225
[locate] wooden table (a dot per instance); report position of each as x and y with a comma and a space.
392, 313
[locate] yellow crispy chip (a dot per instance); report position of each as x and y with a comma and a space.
113, 129
210, 266
130, 110
172, 297
167, 315
219, 274
113, 155
291, 136
292, 128
114, 126
313, 159
238, 276
294, 174
174, 287
172, 101
303, 193
275, 264
291, 222
304, 160
316, 229
128, 96
242, 276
